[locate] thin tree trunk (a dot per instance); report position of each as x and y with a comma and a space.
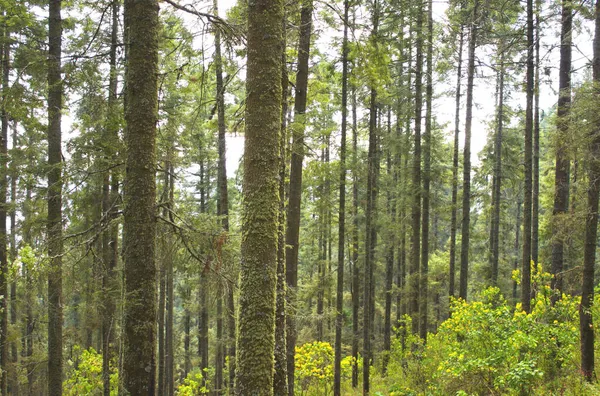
13, 253
280, 379
561, 178
498, 171
591, 235
527, 203
169, 325
161, 327
466, 201
389, 260
454, 216
339, 300
517, 245
203, 290
424, 297
355, 245
55, 222
536, 144
139, 234
256, 336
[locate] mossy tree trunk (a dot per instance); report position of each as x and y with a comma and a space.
139, 234
256, 322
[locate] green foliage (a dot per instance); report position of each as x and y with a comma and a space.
489, 347
85, 374
192, 385
314, 367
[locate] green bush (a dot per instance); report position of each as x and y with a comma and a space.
85, 374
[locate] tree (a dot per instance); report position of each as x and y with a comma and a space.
256, 322
55, 222
586, 327
139, 233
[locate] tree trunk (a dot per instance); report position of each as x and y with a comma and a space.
591, 234
527, 202
355, 245
455, 160
416, 182
293, 217
497, 171
339, 299
466, 201
280, 379
423, 309
256, 324
561, 174
55, 222
536, 145
14, 251
110, 192
517, 244
139, 233
161, 327
389, 259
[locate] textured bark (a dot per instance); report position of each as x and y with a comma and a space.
517, 245
454, 215
280, 380
562, 170
527, 201
414, 281
535, 206
139, 233
14, 304
497, 185
110, 196
203, 289
161, 329
586, 326
389, 259
169, 323
355, 245
466, 201
339, 299
424, 297
256, 323
293, 215
4, 307
55, 222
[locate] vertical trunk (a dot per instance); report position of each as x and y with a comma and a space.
591, 234
466, 201
561, 175
29, 301
423, 309
322, 251
139, 234
454, 216
187, 321
256, 324
497, 172
4, 343
416, 182
293, 219
536, 144
55, 243
339, 299
109, 201
517, 245
280, 380
203, 290
161, 328
355, 245
13, 254
370, 216
169, 325
527, 202
389, 259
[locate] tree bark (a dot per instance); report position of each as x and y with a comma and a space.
55, 222
256, 323
356, 281
466, 201
527, 202
589, 258
563, 162
139, 233
293, 215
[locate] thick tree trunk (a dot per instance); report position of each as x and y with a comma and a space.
586, 327
455, 161
563, 162
55, 242
256, 324
466, 201
527, 202
293, 215
339, 300
139, 234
